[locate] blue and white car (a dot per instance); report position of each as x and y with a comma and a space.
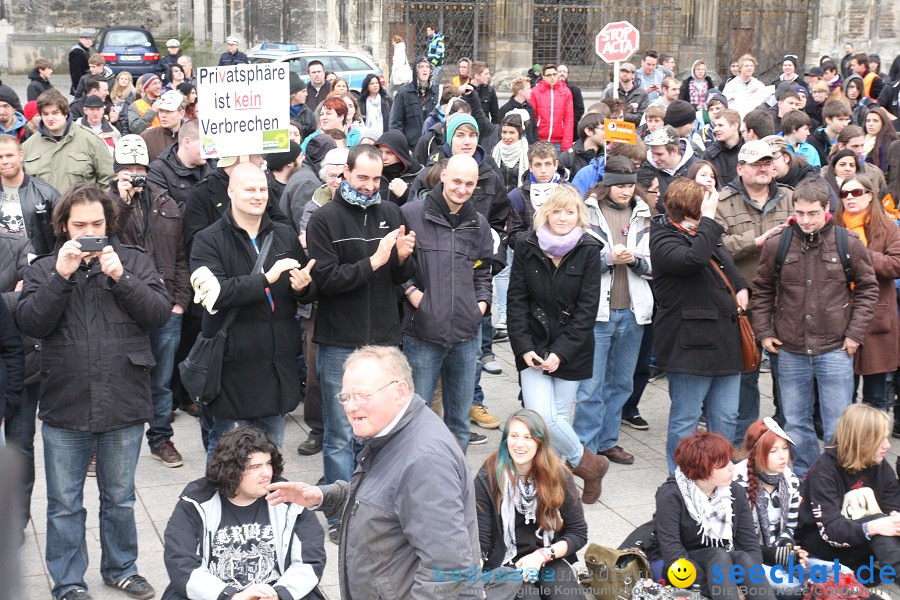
347, 64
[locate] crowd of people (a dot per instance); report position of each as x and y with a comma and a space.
603, 264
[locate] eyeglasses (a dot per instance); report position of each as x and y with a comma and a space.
808, 215
361, 399
856, 193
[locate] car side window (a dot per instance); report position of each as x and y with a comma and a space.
298, 65
352, 63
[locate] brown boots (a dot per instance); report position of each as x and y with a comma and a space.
591, 469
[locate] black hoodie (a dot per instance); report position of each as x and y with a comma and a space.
406, 169
38, 85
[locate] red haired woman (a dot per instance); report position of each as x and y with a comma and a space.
703, 516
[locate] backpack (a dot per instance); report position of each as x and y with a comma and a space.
848, 588
843, 248
613, 573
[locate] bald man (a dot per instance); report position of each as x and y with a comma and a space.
455, 274
259, 374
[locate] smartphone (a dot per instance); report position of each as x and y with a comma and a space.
93, 243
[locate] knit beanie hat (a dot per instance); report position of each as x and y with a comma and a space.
10, 97
456, 121
680, 113
145, 81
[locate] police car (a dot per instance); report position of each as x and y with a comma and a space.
348, 65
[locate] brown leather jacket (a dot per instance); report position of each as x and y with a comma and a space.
812, 310
165, 245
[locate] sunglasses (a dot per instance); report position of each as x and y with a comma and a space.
855, 193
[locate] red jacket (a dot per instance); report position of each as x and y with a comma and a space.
554, 112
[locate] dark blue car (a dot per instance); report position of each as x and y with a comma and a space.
129, 49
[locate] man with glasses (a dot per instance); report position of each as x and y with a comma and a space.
629, 92
752, 208
397, 536
554, 110
809, 317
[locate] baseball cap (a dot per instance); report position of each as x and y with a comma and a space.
628, 67
664, 136
776, 143
85, 33
232, 40
754, 151
336, 156
171, 100
173, 43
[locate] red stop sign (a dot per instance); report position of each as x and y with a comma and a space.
617, 41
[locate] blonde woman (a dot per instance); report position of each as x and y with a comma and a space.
851, 507
121, 94
554, 292
401, 72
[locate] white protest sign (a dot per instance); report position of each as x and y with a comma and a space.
243, 109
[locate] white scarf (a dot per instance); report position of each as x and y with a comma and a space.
713, 515
511, 155
522, 499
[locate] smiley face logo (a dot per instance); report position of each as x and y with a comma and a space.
682, 573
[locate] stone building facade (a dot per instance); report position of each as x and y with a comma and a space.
510, 35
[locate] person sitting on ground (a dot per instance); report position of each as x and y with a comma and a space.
528, 511
223, 540
774, 494
851, 496
704, 517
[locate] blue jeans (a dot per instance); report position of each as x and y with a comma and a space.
552, 399
337, 438
833, 372
501, 284
272, 426
454, 365
688, 394
598, 412
20, 430
485, 353
66, 456
164, 343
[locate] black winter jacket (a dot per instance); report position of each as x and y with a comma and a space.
724, 159
259, 375
406, 169
453, 270
36, 86
15, 250
410, 108
169, 173
38, 199
490, 523
696, 329
430, 144
489, 104
357, 306
95, 343
531, 126
12, 364
553, 309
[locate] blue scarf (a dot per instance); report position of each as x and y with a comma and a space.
358, 198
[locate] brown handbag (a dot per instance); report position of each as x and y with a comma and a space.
749, 347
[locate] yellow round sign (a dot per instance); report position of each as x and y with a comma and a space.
682, 573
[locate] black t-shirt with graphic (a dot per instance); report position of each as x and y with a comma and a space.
243, 549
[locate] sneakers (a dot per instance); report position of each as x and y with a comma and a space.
309, 447
167, 453
655, 374
76, 594
765, 365
92, 464
479, 415
135, 586
501, 325
636, 422
500, 335
476, 439
492, 367
334, 533
618, 454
